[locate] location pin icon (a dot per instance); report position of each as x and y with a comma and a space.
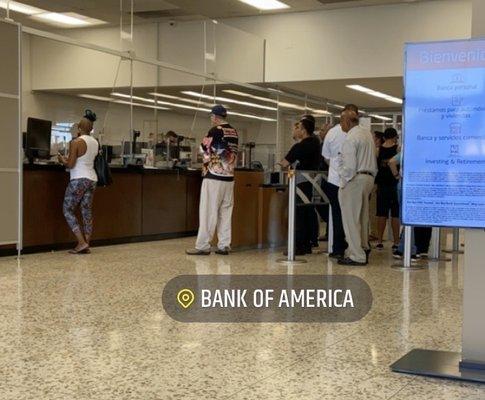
185, 297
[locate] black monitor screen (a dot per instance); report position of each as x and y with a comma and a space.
39, 135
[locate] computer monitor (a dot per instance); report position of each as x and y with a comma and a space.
38, 140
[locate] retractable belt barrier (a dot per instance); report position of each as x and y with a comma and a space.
317, 198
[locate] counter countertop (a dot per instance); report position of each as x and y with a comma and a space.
120, 168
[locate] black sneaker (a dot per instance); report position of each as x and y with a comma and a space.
350, 262
223, 252
397, 255
394, 247
379, 246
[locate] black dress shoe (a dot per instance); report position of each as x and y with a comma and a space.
223, 252
349, 261
336, 255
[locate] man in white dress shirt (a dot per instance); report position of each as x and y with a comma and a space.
332, 145
357, 167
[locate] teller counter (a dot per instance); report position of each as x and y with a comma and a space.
141, 205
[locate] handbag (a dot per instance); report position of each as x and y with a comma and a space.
102, 169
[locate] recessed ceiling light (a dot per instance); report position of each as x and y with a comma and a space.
67, 19
266, 4
21, 8
375, 93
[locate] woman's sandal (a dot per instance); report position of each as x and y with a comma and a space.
84, 250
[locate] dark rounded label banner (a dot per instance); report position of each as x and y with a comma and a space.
267, 298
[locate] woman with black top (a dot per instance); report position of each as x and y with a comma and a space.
387, 197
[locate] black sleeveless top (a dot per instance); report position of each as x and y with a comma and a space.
384, 175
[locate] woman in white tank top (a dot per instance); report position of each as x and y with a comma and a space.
80, 191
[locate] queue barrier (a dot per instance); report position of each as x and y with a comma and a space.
318, 198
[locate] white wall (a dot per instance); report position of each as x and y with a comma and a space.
353, 42
239, 56
63, 108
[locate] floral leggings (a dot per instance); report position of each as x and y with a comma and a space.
79, 192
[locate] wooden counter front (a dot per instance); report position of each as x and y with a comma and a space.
139, 205
148, 205
245, 213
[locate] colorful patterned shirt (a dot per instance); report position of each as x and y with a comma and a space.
219, 149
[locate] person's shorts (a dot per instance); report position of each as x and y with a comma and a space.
387, 201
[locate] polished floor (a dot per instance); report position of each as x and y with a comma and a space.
93, 327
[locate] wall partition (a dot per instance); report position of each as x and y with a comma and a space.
10, 137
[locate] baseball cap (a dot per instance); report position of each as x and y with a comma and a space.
219, 110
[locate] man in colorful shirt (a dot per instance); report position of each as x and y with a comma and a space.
219, 149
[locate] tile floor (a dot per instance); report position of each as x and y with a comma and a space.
93, 327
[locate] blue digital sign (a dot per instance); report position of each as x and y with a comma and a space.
444, 134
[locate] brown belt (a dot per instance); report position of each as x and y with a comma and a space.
365, 173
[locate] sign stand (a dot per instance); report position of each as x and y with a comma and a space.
470, 364
448, 76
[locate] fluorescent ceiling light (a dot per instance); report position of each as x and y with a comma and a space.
93, 97
177, 105
266, 4
111, 100
184, 106
381, 117
251, 116
168, 96
227, 100
21, 8
67, 19
279, 103
252, 96
336, 106
375, 93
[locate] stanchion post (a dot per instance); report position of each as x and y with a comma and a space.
291, 215
291, 220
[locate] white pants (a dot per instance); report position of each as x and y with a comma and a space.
215, 212
354, 203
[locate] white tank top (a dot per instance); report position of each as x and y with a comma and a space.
84, 167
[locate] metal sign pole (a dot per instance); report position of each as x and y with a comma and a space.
456, 243
436, 246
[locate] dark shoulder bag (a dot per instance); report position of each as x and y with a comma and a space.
101, 167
